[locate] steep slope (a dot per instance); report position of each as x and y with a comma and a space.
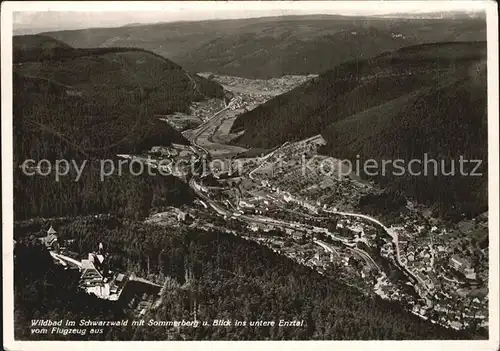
88, 105
102, 100
426, 99
276, 46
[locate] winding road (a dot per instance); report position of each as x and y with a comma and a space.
202, 191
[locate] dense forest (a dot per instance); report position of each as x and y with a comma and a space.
103, 100
215, 276
87, 105
51, 125
125, 195
427, 99
41, 54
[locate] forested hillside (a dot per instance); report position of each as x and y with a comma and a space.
216, 275
102, 99
86, 104
275, 46
399, 105
125, 195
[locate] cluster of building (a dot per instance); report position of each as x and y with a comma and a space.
417, 251
96, 278
170, 216
173, 151
202, 109
180, 121
298, 168
462, 266
437, 253
273, 85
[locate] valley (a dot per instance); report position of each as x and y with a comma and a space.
272, 178
296, 222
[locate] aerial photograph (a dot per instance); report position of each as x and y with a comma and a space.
308, 174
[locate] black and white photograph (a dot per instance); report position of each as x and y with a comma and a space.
250, 171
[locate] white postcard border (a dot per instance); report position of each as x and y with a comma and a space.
7, 180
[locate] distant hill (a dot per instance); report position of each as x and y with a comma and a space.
438, 15
276, 46
399, 105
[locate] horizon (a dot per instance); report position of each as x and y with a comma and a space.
42, 17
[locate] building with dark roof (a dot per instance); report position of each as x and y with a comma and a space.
50, 241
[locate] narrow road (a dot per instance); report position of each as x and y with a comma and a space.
202, 128
326, 246
365, 256
394, 237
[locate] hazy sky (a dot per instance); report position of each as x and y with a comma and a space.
47, 15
